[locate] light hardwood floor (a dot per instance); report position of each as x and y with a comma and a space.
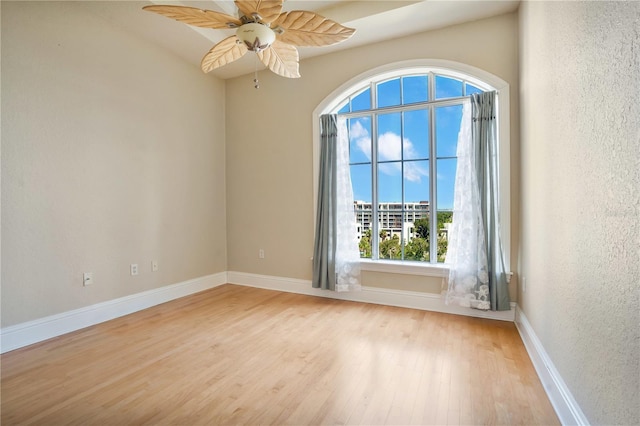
240, 355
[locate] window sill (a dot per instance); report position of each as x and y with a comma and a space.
408, 268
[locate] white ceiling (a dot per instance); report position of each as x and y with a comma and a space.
374, 21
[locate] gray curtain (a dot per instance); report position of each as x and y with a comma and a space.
324, 252
483, 131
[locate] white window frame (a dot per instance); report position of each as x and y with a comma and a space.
475, 76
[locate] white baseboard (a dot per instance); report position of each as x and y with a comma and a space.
380, 296
24, 334
20, 335
565, 405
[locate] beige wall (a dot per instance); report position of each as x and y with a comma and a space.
580, 73
269, 143
112, 154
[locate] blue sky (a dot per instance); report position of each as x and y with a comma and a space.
412, 145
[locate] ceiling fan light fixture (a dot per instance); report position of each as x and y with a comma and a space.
263, 28
255, 36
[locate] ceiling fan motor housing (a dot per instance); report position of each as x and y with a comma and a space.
256, 36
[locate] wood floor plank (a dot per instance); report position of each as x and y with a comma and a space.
240, 355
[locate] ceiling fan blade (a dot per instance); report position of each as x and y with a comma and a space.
268, 10
223, 53
282, 59
198, 17
304, 28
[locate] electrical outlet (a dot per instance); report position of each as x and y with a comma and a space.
261, 254
134, 269
154, 266
524, 285
87, 279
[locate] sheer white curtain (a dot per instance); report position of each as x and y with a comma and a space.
347, 251
336, 257
466, 252
477, 275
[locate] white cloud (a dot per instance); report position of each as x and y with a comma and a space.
357, 130
413, 172
362, 138
389, 149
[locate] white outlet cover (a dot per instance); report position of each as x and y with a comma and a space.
134, 269
87, 278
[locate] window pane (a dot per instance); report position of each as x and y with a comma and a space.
470, 89
416, 240
416, 181
343, 107
416, 135
445, 186
446, 182
360, 140
389, 128
362, 101
389, 182
361, 182
447, 128
444, 222
447, 87
388, 93
414, 89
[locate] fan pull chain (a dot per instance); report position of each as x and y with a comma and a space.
256, 84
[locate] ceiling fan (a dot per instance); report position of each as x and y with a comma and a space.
262, 28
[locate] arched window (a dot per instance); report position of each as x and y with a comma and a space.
403, 122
